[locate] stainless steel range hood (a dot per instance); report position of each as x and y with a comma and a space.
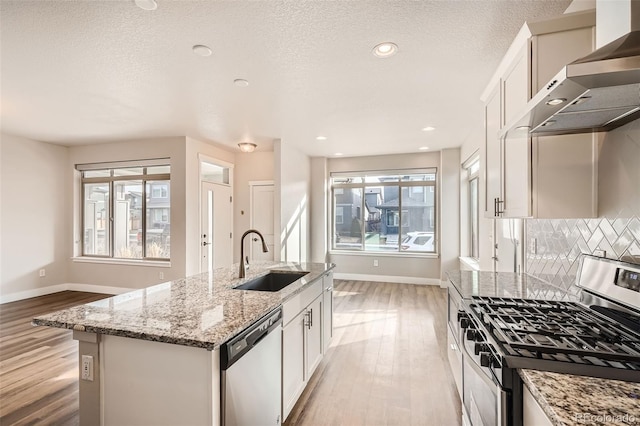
598, 92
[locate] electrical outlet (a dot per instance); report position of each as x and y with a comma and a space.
161, 275
42, 272
87, 368
375, 262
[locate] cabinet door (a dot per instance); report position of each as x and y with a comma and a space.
293, 362
492, 157
314, 336
517, 177
516, 90
327, 311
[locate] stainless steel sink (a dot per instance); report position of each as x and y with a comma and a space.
273, 281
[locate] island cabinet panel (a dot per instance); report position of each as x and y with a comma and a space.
327, 311
302, 340
532, 413
293, 363
314, 336
146, 382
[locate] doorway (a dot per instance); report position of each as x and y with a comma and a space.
261, 199
216, 213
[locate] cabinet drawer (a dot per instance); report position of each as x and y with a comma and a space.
455, 360
292, 307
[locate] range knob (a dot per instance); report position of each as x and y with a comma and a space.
471, 334
465, 322
462, 314
486, 359
479, 348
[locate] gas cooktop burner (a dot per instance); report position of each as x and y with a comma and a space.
563, 332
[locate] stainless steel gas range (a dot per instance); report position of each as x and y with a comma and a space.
598, 337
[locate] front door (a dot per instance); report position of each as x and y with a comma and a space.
216, 242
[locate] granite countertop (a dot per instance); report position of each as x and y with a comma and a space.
569, 400
506, 284
202, 310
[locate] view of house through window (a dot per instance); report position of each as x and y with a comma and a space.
126, 210
384, 211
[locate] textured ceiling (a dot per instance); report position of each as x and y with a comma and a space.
78, 72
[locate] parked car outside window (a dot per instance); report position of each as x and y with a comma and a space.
417, 241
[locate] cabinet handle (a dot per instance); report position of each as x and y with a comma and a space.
310, 318
307, 319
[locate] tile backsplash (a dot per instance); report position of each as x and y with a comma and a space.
554, 256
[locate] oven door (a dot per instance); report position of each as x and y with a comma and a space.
485, 401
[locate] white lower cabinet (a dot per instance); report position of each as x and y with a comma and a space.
327, 311
302, 343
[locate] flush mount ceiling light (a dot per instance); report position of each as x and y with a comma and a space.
147, 4
247, 146
202, 50
423, 148
384, 50
428, 129
556, 101
321, 138
240, 82
338, 154
522, 128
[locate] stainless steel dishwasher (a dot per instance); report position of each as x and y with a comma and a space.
251, 374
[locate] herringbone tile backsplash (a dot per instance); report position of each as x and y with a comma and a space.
559, 242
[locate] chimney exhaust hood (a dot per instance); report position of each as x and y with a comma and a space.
598, 92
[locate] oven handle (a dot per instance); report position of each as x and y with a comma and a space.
502, 397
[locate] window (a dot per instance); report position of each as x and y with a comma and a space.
126, 212
384, 211
473, 211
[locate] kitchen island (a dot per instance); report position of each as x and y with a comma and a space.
155, 351
561, 399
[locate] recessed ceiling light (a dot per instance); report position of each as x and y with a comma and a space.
522, 128
428, 129
201, 50
338, 154
147, 4
423, 148
240, 82
548, 123
384, 50
321, 138
556, 101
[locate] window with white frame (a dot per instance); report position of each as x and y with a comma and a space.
473, 212
384, 211
126, 211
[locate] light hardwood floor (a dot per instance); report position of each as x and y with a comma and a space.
39, 365
387, 363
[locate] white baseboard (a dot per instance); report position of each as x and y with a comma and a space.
387, 279
27, 294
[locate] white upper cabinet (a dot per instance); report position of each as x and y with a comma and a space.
542, 177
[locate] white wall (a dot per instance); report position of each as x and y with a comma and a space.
193, 148
35, 208
319, 209
419, 270
255, 166
449, 211
132, 276
292, 175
